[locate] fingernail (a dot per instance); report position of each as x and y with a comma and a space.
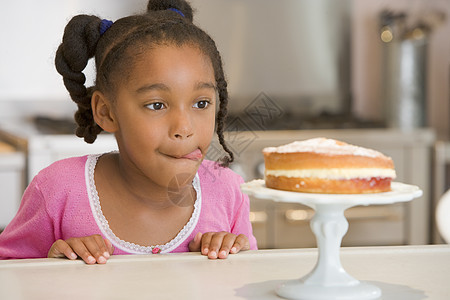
233, 250
223, 254
101, 260
213, 254
106, 254
205, 251
91, 259
72, 256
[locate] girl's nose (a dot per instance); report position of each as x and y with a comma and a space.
181, 126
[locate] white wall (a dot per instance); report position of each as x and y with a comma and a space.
31, 31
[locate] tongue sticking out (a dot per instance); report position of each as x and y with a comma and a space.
194, 155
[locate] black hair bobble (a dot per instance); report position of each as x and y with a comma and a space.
104, 25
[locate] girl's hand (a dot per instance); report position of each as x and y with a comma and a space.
92, 249
218, 244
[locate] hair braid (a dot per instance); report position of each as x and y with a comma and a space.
222, 88
221, 115
78, 46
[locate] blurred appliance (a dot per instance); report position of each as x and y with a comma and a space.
441, 181
442, 219
405, 45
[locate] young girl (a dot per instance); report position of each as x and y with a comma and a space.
159, 78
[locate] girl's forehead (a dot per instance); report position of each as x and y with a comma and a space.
160, 57
171, 63
158, 51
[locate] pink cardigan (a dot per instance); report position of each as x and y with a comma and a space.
61, 203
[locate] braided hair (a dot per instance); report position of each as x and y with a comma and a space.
115, 46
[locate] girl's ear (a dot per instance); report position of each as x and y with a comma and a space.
103, 113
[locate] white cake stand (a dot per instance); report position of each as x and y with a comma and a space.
328, 279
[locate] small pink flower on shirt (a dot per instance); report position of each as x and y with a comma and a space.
156, 250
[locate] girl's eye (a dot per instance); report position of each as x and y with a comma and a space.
202, 104
156, 106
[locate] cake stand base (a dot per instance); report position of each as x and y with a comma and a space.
298, 290
328, 279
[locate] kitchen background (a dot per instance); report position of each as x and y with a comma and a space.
335, 68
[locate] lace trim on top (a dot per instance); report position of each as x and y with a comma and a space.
127, 246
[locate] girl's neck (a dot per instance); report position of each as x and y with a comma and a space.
142, 190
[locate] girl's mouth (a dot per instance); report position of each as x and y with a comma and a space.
194, 155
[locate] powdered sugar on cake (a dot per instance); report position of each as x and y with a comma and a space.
325, 146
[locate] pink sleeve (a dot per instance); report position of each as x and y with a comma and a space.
241, 223
30, 233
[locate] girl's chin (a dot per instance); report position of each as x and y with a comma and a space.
185, 165
180, 180
181, 175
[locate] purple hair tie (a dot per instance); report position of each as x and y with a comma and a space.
104, 25
177, 11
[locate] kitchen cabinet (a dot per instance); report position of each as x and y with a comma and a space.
37, 151
12, 166
42, 149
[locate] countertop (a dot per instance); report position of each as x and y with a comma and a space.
401, 272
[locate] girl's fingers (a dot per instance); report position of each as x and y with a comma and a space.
227, 244
241, 243
195, 244
61, 249
216, 244
206, 243
109, 246
220, 244
97, 248
92, 249
102, 249
79, 247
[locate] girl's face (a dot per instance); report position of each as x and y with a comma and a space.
165, 114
